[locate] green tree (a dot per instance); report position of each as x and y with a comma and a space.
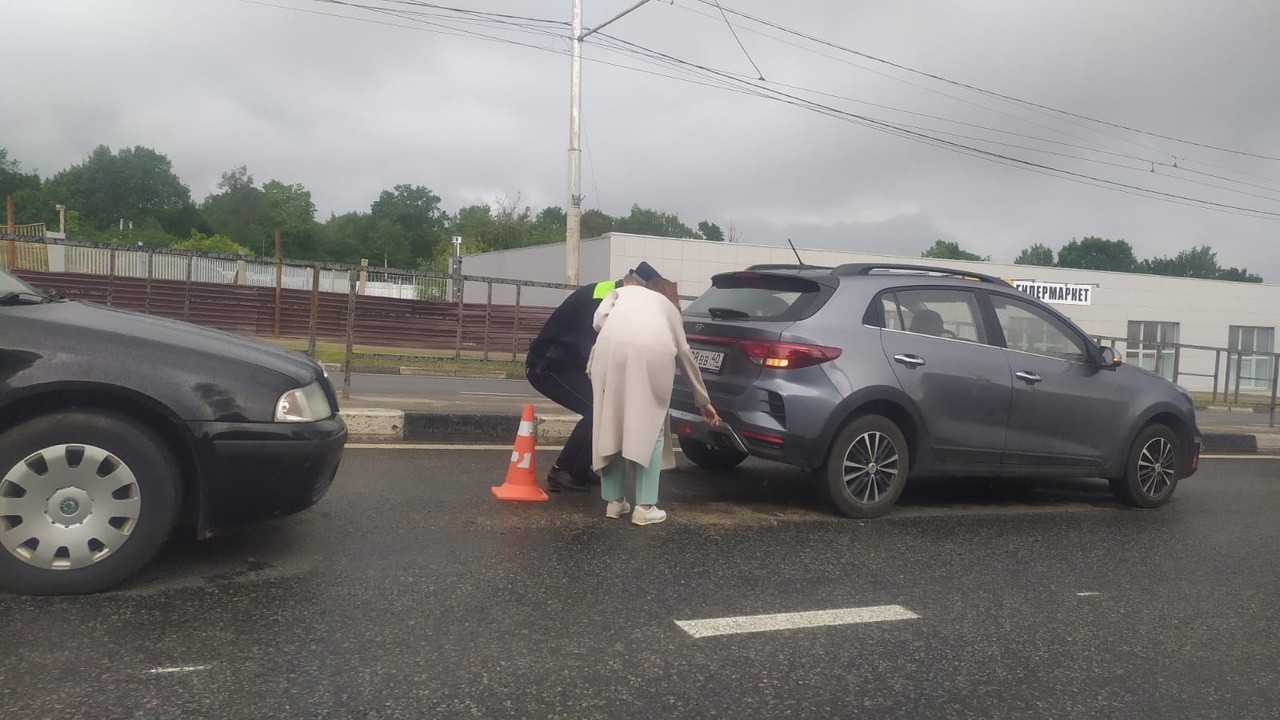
416, 216
239, 211
26, 189
950, 250
643, 221
135, 185
1095, 253
548, 227
290, 210
596, 223
211, 244
711, 231
1200, 262
1038, 254
1238, 275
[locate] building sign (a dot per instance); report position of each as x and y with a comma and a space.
1059, 293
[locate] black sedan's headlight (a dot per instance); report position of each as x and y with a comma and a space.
306, 404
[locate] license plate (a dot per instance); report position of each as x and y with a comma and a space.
708, 360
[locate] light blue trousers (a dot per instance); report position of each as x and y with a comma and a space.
612, 475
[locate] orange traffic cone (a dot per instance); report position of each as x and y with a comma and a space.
522, 473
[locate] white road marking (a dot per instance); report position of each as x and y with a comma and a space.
1088, 593
789, 621
1240, 457
187, 668
498, 394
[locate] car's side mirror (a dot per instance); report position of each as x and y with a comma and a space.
1109, 358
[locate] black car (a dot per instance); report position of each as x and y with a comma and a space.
116, 427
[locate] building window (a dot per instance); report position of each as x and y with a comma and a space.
1151, 344
1254, 367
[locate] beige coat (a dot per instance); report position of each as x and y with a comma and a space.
632, 367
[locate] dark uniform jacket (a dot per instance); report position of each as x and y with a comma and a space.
565, 342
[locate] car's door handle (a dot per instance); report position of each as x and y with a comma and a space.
1028, 376
909, 360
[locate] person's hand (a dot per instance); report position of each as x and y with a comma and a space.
710, 415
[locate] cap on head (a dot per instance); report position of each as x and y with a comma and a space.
645, 272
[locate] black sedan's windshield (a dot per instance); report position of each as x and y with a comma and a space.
11, 284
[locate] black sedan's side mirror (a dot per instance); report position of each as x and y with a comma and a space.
1109, 358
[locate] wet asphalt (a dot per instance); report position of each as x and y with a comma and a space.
409, 592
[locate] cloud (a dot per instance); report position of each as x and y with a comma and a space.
349, 108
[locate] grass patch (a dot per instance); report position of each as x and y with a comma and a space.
441, 360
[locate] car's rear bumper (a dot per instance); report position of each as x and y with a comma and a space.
251, 471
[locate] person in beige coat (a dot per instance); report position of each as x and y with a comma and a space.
632, 368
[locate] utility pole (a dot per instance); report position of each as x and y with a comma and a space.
573, 218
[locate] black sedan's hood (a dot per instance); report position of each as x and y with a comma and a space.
184, 339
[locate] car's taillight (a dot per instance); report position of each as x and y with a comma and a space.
786, 356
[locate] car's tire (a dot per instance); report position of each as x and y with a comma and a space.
711, 458
1151, 470
866, 467
107, 494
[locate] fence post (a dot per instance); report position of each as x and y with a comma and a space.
1159, 359
488, 315
351, 332
279, 280
1177, 361
315, 310
1239, 362
111, 275
457, 343
515, 328
151, 253
1217, 369
1275, 380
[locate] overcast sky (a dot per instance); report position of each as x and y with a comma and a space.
349, 107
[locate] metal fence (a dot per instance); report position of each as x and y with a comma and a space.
1229, 378
374, 313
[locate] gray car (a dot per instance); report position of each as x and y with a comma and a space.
871, 374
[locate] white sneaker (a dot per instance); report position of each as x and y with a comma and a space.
648, 517
617, 508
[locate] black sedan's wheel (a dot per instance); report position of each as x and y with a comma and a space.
866, 468
86, 499
711, 458
1153, 469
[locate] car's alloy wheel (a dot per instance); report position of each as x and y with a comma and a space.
870, 467
68, 506
867, 466
1152, 469
86, 499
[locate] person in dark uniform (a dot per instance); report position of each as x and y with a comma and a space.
556, 366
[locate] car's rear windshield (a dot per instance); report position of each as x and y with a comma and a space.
755, 296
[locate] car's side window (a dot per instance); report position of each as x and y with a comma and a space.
892, 317
938, 312
1031, 329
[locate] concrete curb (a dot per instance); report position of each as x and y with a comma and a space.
489, 428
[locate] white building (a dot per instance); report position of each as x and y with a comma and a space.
1140, 309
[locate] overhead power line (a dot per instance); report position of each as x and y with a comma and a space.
983, 91
711, 77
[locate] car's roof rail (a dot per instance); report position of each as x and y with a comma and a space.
787, 266
868, 268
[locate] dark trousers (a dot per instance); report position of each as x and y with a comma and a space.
570, 389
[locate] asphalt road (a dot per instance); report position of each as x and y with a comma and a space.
409, 592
